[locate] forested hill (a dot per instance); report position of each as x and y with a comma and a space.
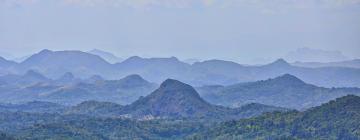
338, 119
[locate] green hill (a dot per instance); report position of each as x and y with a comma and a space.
338, 119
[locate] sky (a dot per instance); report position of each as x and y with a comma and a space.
245, 31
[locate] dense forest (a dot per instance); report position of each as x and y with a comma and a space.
338, 119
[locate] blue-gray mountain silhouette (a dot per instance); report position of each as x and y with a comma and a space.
33, 86
54, 64
284, 91
106, 55
29, 78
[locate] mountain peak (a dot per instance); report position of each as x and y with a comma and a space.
45, 51
32, 74
105, 55
351, 100
178, 89
174, 58
171, 84
280, 62
288, 76
134, 58
132, 81
172, 98
55, 63
287, 79
134, 78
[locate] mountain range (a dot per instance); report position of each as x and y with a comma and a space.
283, 91
5, 64
54, 64
70, 90
172, 100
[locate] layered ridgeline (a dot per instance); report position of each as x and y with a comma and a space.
29, 78
69, 90
283, 91
156, 69
5, 65
173, 111
54, 64
226, 72
339, 119
106, 55
174, 100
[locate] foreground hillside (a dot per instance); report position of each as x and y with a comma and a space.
339, 119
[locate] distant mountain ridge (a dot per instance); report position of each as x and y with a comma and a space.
284, 91
156, 69
70, 90
55, 64
106, 55
29, 78
6, 63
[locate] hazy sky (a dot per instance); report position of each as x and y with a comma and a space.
246, 31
